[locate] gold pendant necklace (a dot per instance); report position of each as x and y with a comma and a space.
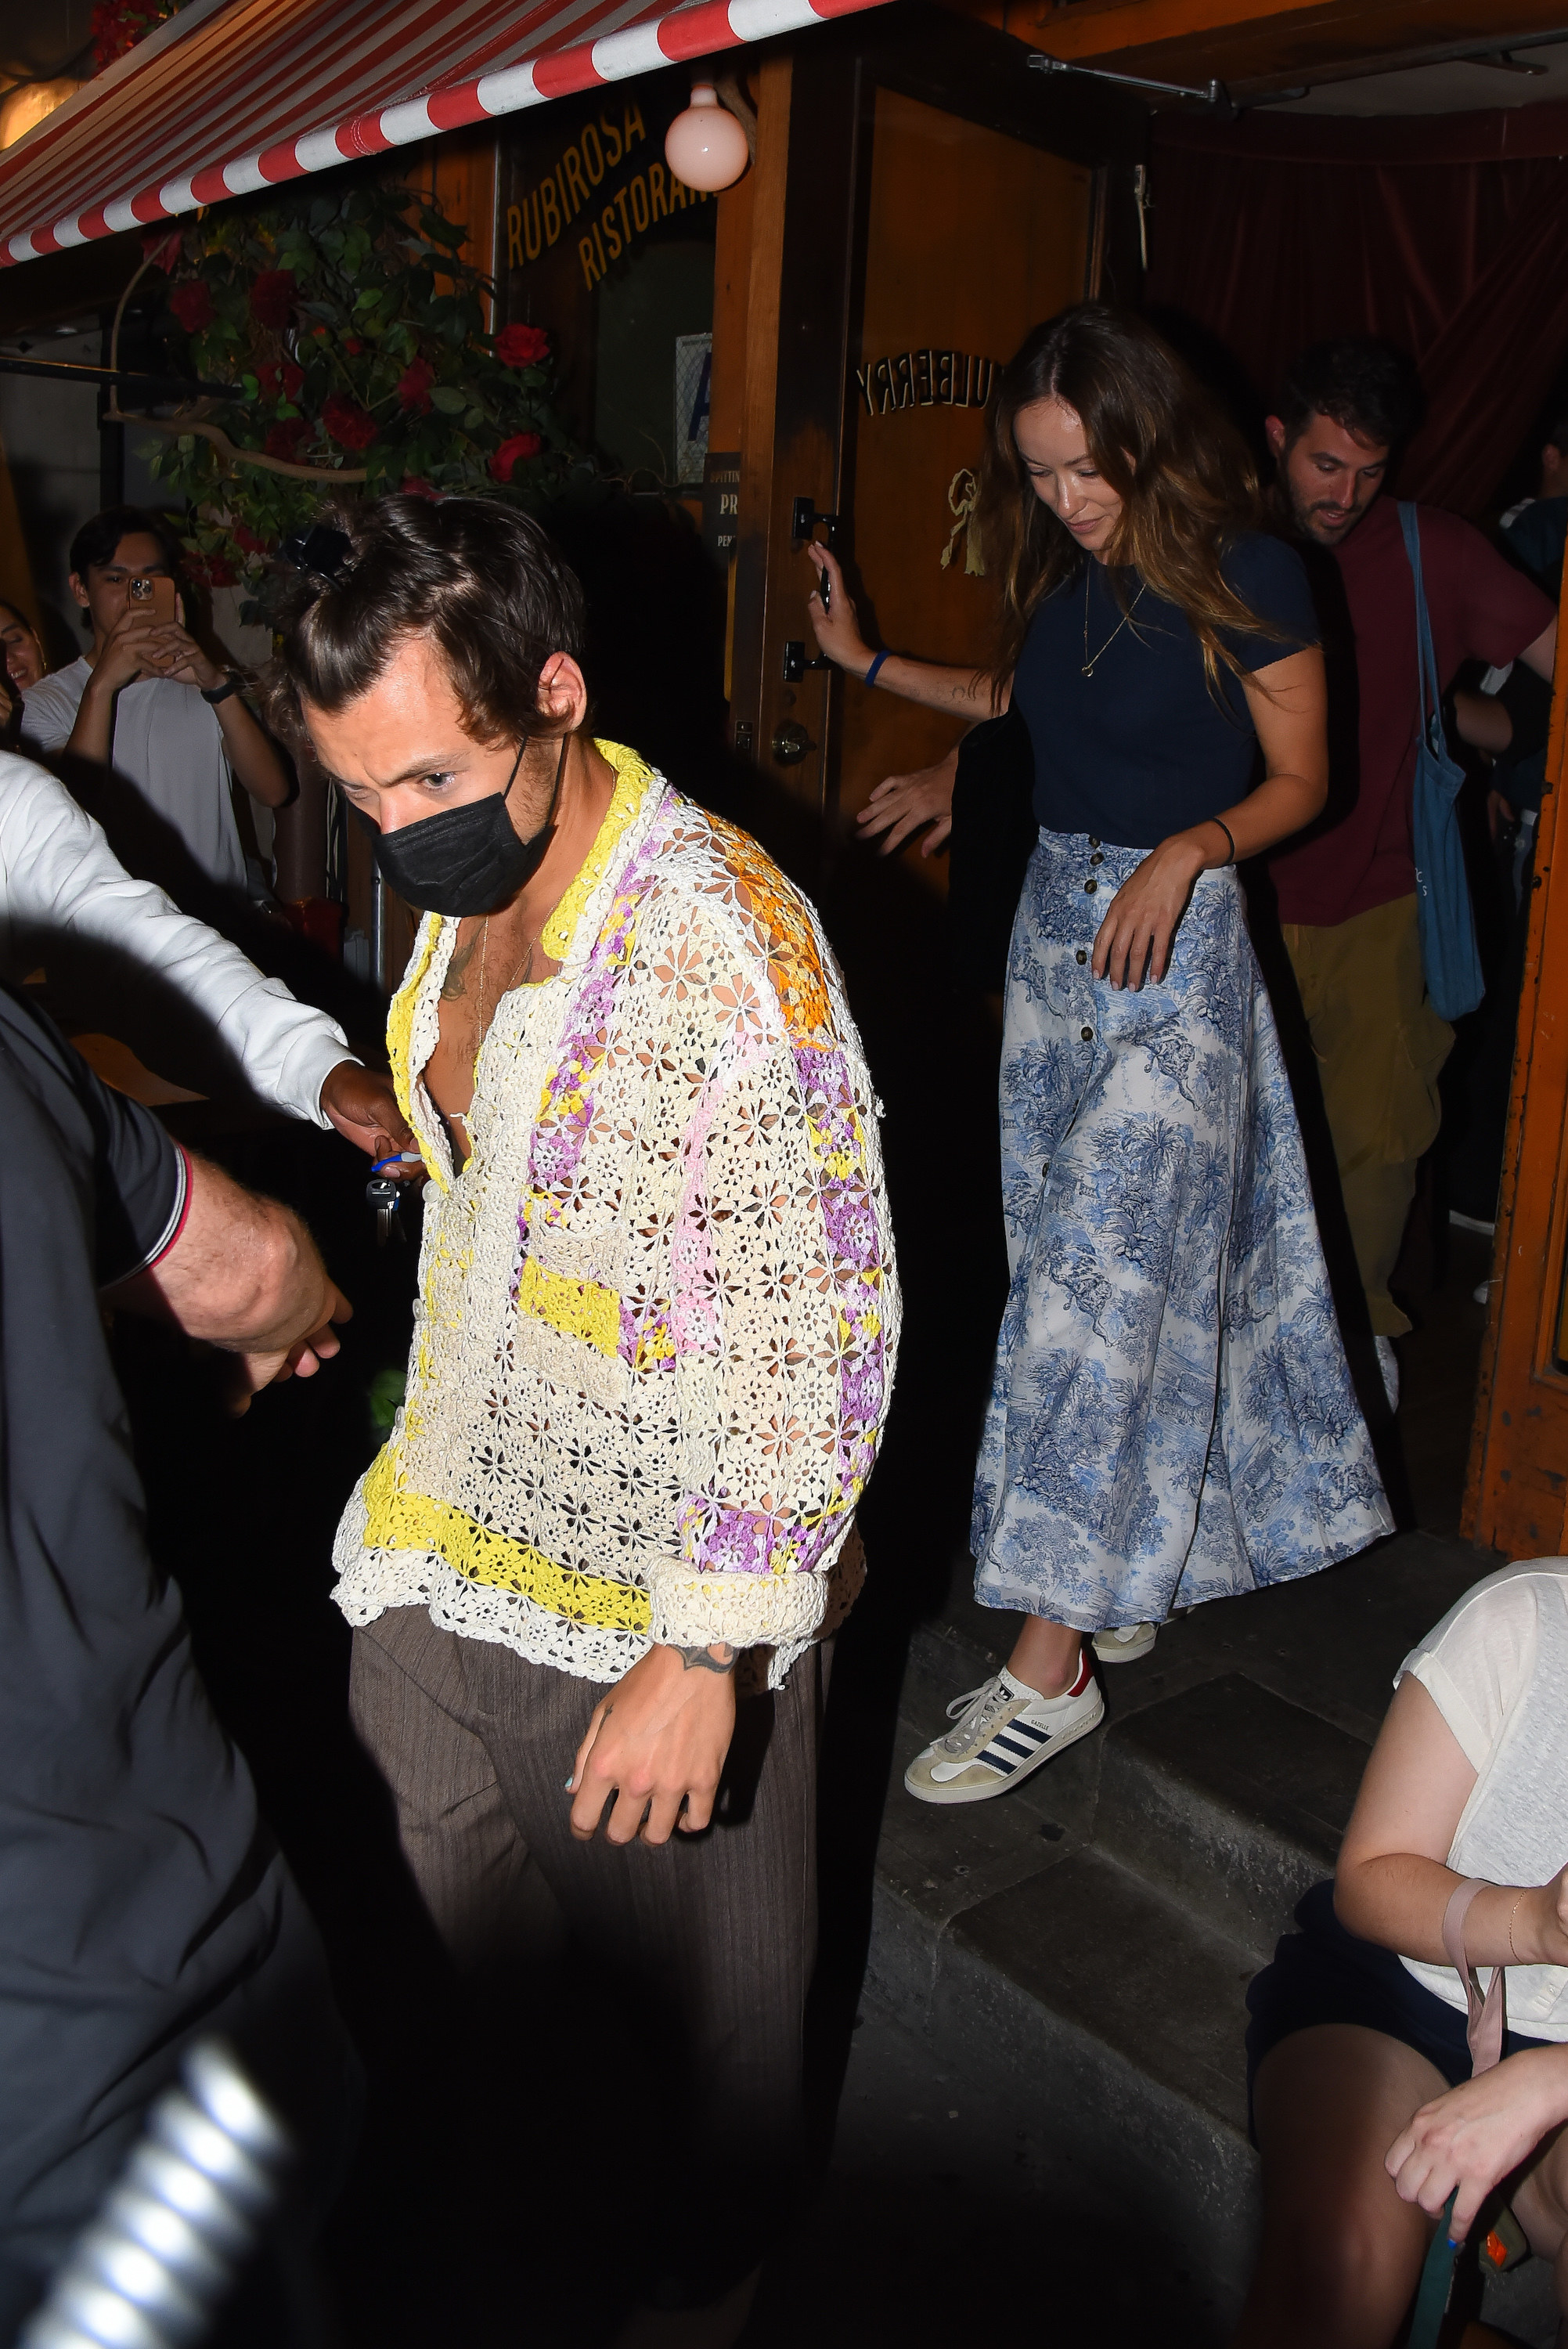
1090, 665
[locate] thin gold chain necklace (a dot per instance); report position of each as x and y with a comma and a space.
1089, 665
523, 964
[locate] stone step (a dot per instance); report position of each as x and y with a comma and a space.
1230, 1799
1118, 2021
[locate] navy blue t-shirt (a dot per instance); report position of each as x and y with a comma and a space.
1141, 748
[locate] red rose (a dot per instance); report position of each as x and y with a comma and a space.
348, 422
283, 440
414, 486
271, 298
510, 454
280, 378
522, 347
247, 542
353, 345
191, 304
209, 570
413, 386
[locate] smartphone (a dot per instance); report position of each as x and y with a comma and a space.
155, 598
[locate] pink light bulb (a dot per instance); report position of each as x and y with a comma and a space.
705, 146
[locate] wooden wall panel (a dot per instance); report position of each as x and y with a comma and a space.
1516, 1498
802, 252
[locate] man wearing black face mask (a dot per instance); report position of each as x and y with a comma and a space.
591, 1568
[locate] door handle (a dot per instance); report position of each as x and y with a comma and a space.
804, 518
790, 744
795, 661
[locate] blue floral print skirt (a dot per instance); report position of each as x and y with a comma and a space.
1171, 1417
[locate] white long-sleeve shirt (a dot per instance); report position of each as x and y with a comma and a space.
166, 970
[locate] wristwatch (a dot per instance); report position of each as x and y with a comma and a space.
215, 693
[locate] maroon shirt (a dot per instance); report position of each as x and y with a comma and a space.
1481, 608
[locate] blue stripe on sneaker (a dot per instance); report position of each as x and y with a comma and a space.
996, 1761
1028, 1729
1002, 1738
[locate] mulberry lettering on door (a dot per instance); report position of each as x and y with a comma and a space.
928, 379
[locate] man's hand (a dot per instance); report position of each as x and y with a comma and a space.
658, 1740
179, 656
245, 1274
135, 646
902, 803
253, 1370
1465, 2142
363, 1106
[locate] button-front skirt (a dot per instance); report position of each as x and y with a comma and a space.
1171, 1415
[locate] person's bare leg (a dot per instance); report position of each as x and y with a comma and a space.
1341, 2254
1046, 1656
692, 2328
1540, 2204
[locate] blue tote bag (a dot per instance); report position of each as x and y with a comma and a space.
1443, 915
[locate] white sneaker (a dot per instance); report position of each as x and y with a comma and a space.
1389, 1363
1123, 1643
1005, 1731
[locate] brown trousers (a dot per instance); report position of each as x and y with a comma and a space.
1381, 1049
684, 1968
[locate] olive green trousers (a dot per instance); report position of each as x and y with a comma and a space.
1380, 1047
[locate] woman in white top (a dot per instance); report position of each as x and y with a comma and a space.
1363, 2105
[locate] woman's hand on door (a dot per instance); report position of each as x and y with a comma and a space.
902, 803
834, 622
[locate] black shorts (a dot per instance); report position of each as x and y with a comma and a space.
1323, 1974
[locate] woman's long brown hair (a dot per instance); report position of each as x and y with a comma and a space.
1186, 484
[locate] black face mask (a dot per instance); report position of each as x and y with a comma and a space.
466, 860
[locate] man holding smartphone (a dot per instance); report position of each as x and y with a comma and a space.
145, 700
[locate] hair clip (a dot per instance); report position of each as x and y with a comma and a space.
325, 552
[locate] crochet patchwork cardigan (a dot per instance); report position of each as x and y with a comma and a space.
657, 1310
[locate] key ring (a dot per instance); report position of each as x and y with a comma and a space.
398, 1158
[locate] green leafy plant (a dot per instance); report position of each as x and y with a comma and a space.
356, 333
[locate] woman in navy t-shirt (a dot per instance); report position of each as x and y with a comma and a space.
1171, 1418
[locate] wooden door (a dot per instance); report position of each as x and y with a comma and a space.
1516, 1498
971, 238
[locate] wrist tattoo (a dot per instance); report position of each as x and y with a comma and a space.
718, 1658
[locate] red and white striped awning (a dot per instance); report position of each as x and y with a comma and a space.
231, 96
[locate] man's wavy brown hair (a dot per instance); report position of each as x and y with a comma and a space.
1186, 484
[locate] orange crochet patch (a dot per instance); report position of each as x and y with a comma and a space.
784, 933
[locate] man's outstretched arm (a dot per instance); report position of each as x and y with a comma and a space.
241, 1273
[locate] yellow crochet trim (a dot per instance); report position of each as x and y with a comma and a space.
578, 1308
400, 1032
633, 776
398, 1519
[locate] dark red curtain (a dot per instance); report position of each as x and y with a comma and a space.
1449, 234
